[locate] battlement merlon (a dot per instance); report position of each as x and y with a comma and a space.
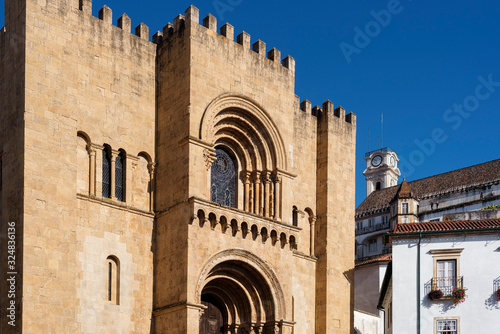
192, 16
327, 110
106, 15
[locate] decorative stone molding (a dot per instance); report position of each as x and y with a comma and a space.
208, 157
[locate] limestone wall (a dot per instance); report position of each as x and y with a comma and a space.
88, 84
201, 73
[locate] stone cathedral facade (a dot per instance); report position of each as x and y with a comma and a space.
173, 186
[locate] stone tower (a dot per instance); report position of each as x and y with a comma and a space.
404, 206
173, 186
381, 169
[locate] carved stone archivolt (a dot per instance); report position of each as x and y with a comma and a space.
221, 276
244, 121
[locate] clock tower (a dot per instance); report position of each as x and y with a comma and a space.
381, 169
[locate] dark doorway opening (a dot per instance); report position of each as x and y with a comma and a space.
212, 321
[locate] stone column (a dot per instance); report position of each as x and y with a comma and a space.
151, 170
92, 154
114, 154
257, 191
312, 224
277, 197
245, 177
266, 178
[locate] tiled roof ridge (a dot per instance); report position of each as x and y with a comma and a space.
456, 170
453, 225
381, 258
404, 190
483, 174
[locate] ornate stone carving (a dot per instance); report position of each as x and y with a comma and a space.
208, 157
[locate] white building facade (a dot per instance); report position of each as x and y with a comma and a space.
428, 199
443, 256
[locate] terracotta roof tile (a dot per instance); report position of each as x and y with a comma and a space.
404, 190
484, 173
493, 224
381, 258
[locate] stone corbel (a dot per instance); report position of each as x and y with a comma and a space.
209, 157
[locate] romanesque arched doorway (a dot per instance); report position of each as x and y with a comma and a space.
212, 321
240, 298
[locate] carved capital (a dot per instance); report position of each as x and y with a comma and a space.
246, 176
113, 155
312, 220
277, 177
91, 150
266, 177
151, 167
256, 175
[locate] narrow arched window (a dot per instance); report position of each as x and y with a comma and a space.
120, 176
377, 187
295, 216
112, 280
106, 173
223, 179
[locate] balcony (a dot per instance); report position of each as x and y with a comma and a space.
445, 285
374, 228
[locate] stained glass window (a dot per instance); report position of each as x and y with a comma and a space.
223, 179
119, 177
106, 174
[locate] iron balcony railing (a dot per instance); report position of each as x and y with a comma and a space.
376, 227
446, 284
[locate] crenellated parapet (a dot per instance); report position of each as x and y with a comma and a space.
192, 16
327, 110
123, 22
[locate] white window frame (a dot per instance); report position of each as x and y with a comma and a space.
440, 319
446, 255
405, 207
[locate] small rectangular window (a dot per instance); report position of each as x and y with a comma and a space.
404, 208
447, 326
372, 245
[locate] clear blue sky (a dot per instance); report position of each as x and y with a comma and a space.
431, 67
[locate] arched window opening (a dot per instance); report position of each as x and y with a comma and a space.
223, 179
274, 237
283, 240
377, 187
244, 229
106, 172
113, 280
293, 243
120, 176
295, 216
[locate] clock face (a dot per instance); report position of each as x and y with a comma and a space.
393, 161
376, 161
